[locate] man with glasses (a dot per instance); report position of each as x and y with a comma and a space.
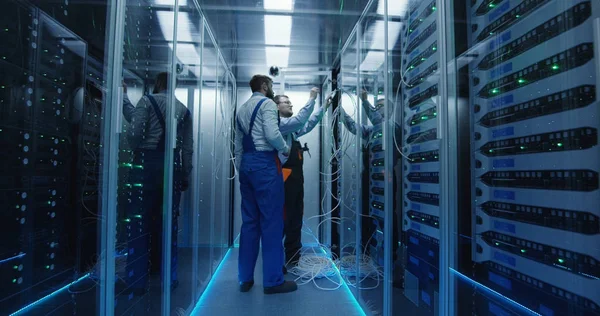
291, 128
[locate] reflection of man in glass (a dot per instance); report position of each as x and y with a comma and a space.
291, 128
376, 116
146, 136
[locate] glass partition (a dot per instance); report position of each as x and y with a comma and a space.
522, 82
222, 164
51, 129
210, 64
348, 155
370, 100
145, 157
185, 210
226, 112
206, 166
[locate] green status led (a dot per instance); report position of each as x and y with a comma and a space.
559, 144
491, 5
521, 81
561, 260
555, 67
523, 250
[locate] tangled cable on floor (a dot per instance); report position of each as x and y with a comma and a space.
321, 263
313, 266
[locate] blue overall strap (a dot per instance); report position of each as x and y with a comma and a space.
157, 111
248, 142
161, 121
251, 119
254, 115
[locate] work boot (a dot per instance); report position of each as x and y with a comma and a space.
246, 286
285, 287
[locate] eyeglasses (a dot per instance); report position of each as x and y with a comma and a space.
285, 102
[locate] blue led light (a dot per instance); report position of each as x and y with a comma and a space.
348, 292
196, 309
236, 242
12, 258
24, 309
339, 273
487, 289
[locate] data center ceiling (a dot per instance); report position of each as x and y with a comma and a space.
314, 31
304, 36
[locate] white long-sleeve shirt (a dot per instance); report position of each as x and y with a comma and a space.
293, 127
265, 132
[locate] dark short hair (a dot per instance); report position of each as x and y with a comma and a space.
257, 81
277, 98
162, 81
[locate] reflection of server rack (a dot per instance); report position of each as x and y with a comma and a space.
87, 113
38, 73
349, 163
421, 171
376, 201
533, 95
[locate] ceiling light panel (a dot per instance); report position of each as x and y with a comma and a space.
279, 5
278, 30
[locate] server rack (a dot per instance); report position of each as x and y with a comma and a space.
421, 188
535, 154
41, 65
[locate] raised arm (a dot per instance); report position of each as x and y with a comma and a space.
352, 126
297, 122
374, 116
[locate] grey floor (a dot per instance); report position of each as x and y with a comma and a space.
224, 298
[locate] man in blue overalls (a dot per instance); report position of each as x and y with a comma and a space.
257, 143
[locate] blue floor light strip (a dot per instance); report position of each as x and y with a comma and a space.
339, 273
196, 309
345, 286
12, 258
24, 309
490, 291
236, 242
